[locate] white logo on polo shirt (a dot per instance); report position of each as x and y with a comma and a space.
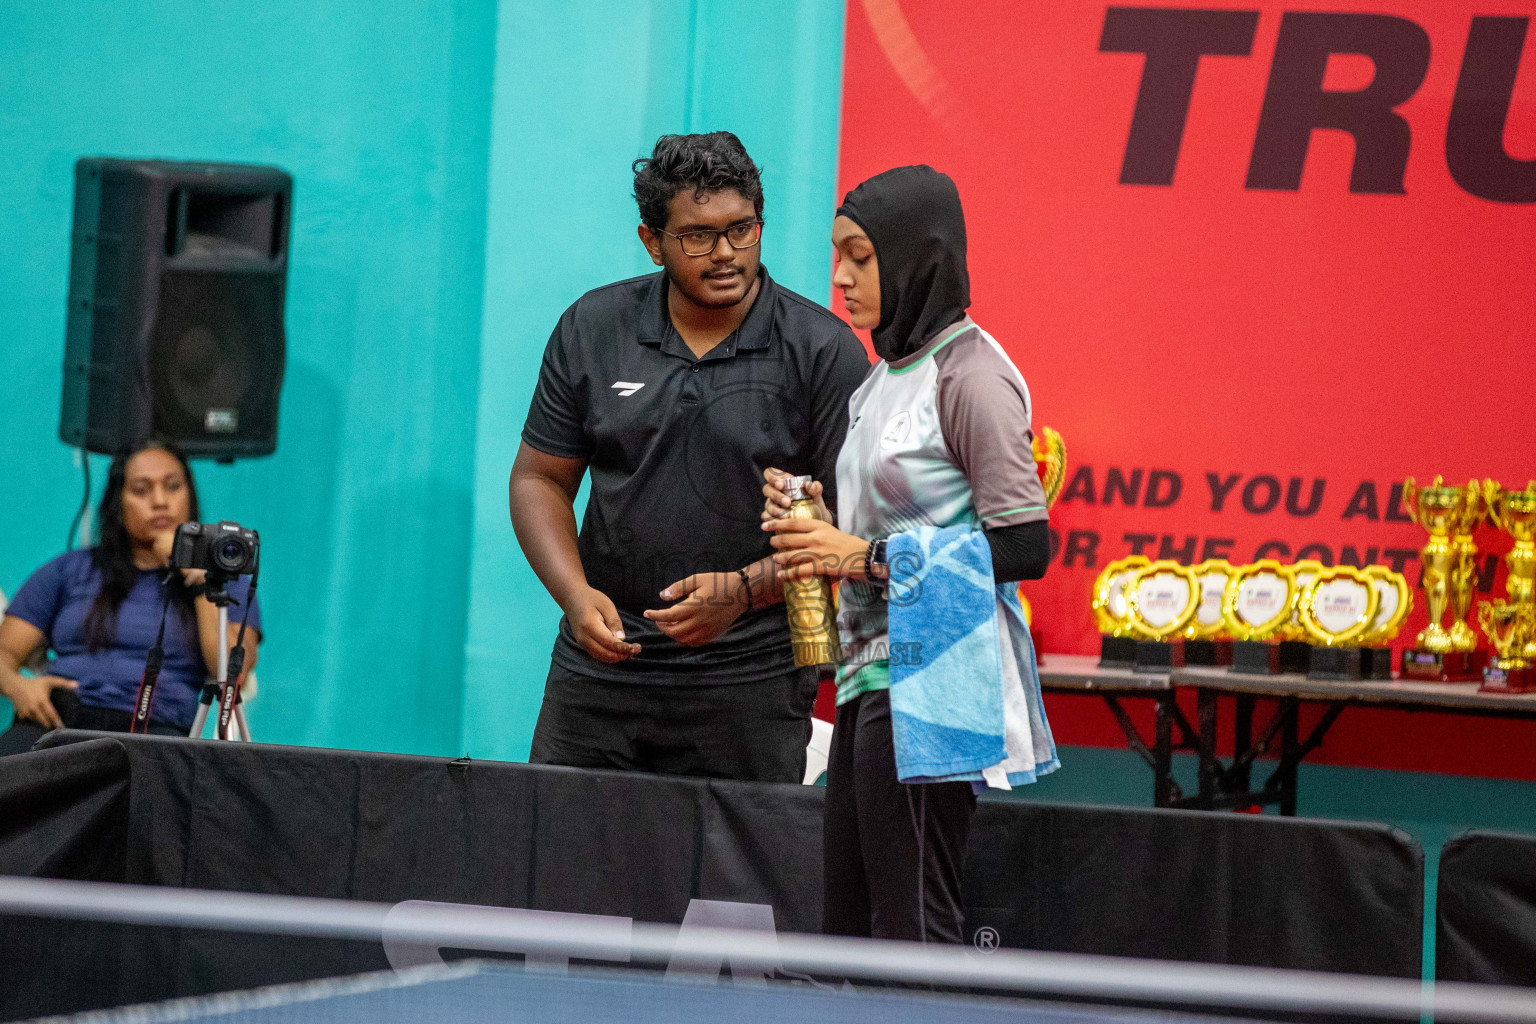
626, 388
896, 430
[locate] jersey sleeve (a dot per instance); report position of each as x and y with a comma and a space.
556, 423
41, 597
984, 416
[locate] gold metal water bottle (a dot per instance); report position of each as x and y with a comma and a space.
812, 625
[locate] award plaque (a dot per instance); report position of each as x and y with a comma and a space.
1336, 609
1255, 607
1295, 643
1394, 602
1205, 639
1160, 601
1117, 647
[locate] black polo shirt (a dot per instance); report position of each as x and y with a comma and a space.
676, 447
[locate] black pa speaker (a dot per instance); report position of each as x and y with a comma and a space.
176, 282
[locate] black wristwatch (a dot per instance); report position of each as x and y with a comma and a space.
876, 565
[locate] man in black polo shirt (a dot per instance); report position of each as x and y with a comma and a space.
676, 391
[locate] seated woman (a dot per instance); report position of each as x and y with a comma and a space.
98, 610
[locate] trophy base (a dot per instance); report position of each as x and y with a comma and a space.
1256, 657
1337, 663
1295, 656
1375, 663
1449, 667
1117, 651
1508, 680
1159, 655
1216, 652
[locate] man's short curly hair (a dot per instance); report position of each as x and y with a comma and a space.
705, 163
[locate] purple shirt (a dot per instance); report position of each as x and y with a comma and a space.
57, 598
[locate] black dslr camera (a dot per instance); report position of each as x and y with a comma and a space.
226, 549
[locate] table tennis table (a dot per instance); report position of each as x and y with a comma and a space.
481, 992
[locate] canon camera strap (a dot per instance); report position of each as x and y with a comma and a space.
152, 662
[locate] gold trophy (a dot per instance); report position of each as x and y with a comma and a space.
1337, 609
1474, 510
1160, 602
1050, 453
1509, 632
812, 622
1117, 648
1256, 607
1050, 462
1510, 623
1394, 602
1450, 514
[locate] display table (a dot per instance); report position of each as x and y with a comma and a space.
1229, 785
1081, 674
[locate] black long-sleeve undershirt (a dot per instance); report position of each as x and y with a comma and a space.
1020, 552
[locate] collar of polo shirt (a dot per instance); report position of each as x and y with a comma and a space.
655, 327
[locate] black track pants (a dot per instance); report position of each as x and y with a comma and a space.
893, 852
756, 732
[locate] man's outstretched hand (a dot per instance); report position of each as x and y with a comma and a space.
707, 604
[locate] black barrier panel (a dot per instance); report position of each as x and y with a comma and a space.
1191, 885
762, 844
63, 814
346, 824
615, 843
1485, 911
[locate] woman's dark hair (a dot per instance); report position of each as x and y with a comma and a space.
704, 163
113, 554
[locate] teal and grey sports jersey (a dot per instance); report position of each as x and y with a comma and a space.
939, 437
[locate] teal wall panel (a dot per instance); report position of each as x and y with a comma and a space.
563, 139
434, 148
382, 114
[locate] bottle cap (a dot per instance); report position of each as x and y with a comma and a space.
794, 487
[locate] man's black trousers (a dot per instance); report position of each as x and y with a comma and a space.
893, 852
751, 731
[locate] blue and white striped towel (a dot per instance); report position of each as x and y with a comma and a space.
965, 691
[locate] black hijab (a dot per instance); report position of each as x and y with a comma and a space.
913, 218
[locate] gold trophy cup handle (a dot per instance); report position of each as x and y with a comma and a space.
1476, 505
1493, 497
1410, 500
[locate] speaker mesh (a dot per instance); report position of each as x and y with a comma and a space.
215, 357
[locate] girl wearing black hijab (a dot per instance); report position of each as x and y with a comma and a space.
939, 435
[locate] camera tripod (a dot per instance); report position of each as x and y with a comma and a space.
223, 689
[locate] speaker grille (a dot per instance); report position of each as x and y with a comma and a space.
215, 360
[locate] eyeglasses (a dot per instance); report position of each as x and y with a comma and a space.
701, 243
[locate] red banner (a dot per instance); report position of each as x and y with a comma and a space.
1257, 264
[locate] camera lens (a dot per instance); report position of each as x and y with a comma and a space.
231, 554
